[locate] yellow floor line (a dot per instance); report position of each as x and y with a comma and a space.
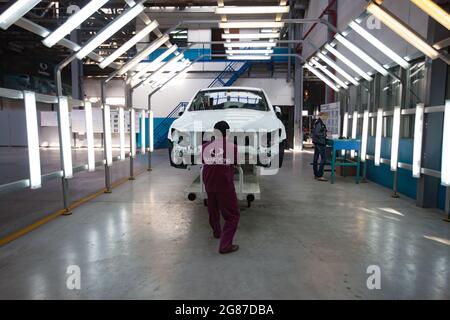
58, 213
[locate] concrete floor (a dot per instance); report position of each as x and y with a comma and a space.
303, 240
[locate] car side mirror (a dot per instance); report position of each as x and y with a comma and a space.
181, 111
278, 112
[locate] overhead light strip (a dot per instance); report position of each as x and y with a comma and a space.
252, 10
248, 57
89, 135
73, 22
445, 169
129, 44
435, 11
110, 29
143, 54
402, 30
254, 44
329, 74
34, 159
243, 51
333, 65
362, 55
347, 61
243, 36
250, 24
380, 45
322, 77
155, 62
16, 11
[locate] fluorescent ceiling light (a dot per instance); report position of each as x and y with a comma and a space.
354, 124
142, 131
380, 45
158, 60
254, 44
122, 133
132, 133
272, 35
251, 25
362, 55
110, 29
329, 74
107, 134
365, 134
143, 54
252, 10
89, 135
164, 80
65, 136
395, 142
249, 51
347, 61
333, 65
150, 131
16, 11
435, 11
166, 67
34, 159
354, 129
378, 137
402, 30
418, 140
445, 170
345, 130
248, 57
321, 77
129, 44
73, 22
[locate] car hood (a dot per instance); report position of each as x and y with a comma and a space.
237, 119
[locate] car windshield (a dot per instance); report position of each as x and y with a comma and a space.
229, 99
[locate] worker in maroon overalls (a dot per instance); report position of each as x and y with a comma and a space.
219, 158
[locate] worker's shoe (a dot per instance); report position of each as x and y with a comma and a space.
233, 248
322, 179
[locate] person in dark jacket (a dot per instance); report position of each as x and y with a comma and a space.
219, 158
319, 137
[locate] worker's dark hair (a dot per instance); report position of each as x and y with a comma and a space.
222, 126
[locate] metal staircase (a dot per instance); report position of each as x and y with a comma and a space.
226, 78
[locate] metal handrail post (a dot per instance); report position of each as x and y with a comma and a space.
59, 93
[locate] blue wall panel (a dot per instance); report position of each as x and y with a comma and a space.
441, 198
407, 185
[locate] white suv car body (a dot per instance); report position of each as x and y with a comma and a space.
248, 112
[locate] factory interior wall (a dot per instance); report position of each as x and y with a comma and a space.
12, 113
407, 184
350, 9
182, 90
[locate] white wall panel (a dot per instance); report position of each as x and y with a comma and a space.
180, 90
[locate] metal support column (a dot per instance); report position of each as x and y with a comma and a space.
404, 88
435, 94
298, 96
129, 106
149, 156
59, 93
107, 168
